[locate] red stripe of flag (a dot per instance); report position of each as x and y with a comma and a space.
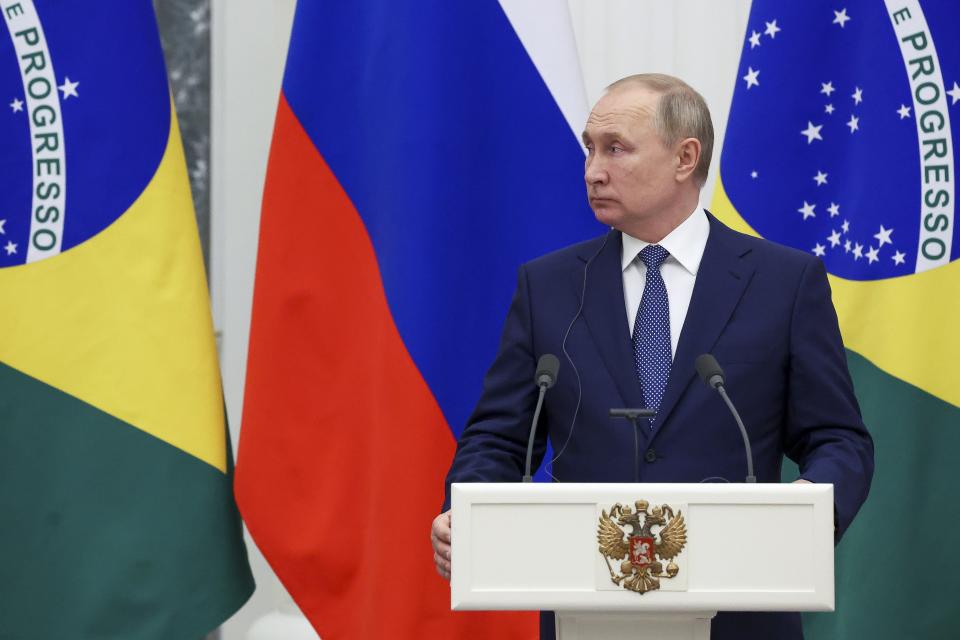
343, 448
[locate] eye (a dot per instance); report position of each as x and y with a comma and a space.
616, 149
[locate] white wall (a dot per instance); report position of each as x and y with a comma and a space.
249, 43
697, 40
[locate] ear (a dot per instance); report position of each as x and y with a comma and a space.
687, 158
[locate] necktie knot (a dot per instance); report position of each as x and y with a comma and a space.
653, 256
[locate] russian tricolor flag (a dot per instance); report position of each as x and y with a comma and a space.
422, 152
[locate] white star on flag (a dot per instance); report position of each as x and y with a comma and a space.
834, 209
827, 88
883, 236
2, 223
845, 226
812, 132
846, 246
857, 96
872, 255
857, 251
11, 248
807, 210
754, 39
904, 111
898, 257
828, 108
16, 105
954, 94
819, 250
853, 123
751, 77
754, 174
772, 29
820, 178
834, 238
840, 17
69, 88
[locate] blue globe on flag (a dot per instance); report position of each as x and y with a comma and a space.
840, 140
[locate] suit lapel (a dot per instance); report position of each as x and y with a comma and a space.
606, 319
722, 278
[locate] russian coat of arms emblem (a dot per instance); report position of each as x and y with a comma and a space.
646, 552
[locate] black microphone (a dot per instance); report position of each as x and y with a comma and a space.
547, 368
709, 370
712, 375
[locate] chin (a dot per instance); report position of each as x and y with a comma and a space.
607, 217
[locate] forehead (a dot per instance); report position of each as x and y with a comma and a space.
622, 109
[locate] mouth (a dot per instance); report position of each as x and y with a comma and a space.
600, 201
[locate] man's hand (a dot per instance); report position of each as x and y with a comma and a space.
440, 539
801, 481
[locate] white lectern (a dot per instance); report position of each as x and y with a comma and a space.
745, 547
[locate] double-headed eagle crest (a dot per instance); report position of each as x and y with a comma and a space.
641, 550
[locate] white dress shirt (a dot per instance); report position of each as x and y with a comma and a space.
685, 245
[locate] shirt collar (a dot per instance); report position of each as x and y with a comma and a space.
686, 243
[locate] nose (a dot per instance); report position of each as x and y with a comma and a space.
594, 172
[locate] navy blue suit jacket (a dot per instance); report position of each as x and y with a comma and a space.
763, 310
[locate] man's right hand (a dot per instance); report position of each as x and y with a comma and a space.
440, 539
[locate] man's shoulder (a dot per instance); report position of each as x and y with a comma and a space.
762, 251
574, 255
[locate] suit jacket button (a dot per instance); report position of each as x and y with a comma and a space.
651, 455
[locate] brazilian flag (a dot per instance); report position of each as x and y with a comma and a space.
841, 142
116, 512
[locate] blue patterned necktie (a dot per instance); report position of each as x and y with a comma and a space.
652, 353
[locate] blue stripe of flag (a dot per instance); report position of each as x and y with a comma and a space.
460, 163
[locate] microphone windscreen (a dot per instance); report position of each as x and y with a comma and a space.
708, 369
547, 368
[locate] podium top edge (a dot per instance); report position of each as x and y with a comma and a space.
603, 490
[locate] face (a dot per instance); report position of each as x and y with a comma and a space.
631, 176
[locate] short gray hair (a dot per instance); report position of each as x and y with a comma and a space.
681, 113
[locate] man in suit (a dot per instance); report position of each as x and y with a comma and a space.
628, 313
